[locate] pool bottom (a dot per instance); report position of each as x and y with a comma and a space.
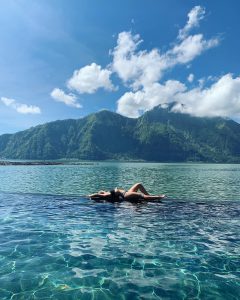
57, 247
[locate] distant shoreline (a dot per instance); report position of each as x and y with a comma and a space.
85, 163
41, 163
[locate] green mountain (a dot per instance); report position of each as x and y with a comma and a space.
158, 135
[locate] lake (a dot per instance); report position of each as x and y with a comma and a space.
57, 244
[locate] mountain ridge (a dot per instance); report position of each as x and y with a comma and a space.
158, 135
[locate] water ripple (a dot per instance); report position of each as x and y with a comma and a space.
68, 247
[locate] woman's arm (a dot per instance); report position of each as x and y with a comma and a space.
100, 194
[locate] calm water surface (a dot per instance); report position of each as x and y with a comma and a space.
55, 244
178, 181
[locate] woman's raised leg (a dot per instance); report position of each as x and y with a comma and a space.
134, 196
138, 187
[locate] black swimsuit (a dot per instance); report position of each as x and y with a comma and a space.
117, 197
121, 196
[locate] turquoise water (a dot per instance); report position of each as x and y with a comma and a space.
178, 181
57, 245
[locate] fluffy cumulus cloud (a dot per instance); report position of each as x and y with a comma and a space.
132, 104
189, 48
222, 98
136, 68
69, 99
89, 79
20, 107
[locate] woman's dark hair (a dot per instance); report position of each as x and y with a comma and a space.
113, 195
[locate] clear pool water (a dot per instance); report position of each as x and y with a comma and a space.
57, 247
63, 246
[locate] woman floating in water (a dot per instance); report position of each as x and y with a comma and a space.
135, 193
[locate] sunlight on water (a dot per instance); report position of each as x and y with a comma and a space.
72, 248
63, 246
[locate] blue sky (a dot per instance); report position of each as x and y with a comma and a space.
64, 59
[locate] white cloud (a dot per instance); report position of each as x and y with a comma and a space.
27, 109
8, 101
222, 98
142, 68
190, 77
190, 48
136, 67
69, 99
133, 104
20, 107
89, 79
194, 16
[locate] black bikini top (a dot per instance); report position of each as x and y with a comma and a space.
115, 196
